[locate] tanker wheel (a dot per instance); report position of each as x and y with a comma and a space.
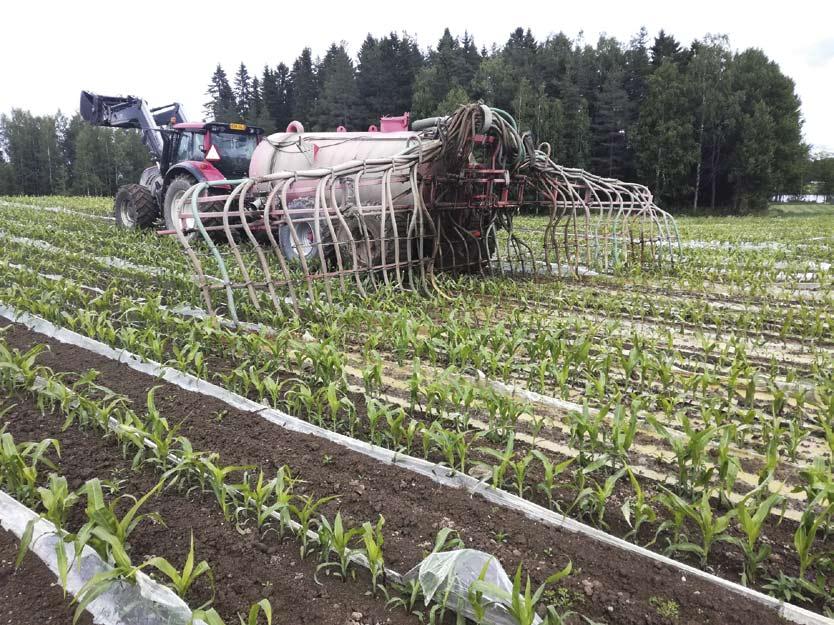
135, 207
306, 241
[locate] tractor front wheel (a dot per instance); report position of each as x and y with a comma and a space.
135, 207
171, 211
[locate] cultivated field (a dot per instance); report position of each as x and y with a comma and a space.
688, 410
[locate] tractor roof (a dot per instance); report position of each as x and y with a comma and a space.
190, 126
219, 127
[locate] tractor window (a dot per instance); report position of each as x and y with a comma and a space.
189, 147
234, 150
234, 145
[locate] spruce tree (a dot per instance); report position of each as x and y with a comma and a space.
339, 98
304, 88
242, 92
222, 106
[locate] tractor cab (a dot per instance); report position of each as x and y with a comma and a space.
226, 148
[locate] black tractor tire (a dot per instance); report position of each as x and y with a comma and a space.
175, 189
135, 207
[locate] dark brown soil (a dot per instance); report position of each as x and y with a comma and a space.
246, 567
608, 584
31, 594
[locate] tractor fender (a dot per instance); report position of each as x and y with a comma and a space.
201, 171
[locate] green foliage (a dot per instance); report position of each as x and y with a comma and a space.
182, 580
522, 602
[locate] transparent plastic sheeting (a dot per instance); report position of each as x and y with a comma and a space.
437, 473
446, 576
143, 603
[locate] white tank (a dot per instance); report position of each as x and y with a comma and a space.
290, 151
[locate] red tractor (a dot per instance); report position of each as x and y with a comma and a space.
184, 153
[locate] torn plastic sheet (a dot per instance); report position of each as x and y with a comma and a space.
144, 603
446, 577
437, 473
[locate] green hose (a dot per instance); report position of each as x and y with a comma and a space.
212, 247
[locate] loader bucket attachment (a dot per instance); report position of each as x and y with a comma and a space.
87, 107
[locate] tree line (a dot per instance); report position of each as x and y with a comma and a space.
702, 125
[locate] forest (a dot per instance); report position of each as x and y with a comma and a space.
704, 126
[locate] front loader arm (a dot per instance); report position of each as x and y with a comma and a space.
130, 112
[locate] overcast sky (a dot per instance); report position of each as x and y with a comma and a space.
166, 51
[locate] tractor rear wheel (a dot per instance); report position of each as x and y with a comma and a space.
135, 207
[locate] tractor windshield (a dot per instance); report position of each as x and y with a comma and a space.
234, 150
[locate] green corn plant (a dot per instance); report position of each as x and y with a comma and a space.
373, 541
415, 384
105, 531
301, 400
475, 596
636, 508
267, 499
727, 463
94, 412
750, 516
447, 539
19, 464
272, 388
451, 444
216, 477
335, 403
211, 617
337, 539
817, 482
591, 500
710, 526
19, 370
797, 433
552, 471
522, 602
188, 466
806, 533
586, 432
57, 501
154, 427
690, 451
183, 580
189, 358
622, 432
304, 515
372, 375
377, 412
395, 421
410, 594
414, 430
519, 468
505, 458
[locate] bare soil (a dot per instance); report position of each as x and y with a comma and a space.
31, 595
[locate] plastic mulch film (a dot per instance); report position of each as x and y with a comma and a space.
143, 603
447, 576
